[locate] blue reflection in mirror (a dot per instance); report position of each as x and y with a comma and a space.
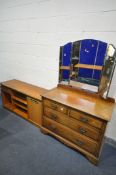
77, 56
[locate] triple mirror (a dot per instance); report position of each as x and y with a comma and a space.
87, 64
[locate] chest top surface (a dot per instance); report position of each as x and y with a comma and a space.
84, 102
25, 88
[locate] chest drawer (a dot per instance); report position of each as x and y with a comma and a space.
84, 118
79, 140
55, 106
80, 127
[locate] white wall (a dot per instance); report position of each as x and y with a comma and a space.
31, 32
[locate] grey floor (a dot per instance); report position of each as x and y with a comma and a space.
24, 150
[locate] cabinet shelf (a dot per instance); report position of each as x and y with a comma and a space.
21, 106
19, 99
21, 112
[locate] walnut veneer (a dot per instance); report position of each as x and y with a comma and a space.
76, 118
24, 99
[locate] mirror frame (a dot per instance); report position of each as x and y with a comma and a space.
106, 75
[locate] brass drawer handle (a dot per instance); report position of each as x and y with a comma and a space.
80, 143
82, 131
83, 119
54, 106
53, 116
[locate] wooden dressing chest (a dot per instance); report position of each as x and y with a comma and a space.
76, 118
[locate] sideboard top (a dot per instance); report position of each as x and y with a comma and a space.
90, 104
25, 88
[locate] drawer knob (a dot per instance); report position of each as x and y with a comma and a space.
61, 108
82, 131
83, 119
80, 143
53, 116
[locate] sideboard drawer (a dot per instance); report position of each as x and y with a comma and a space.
78, 139
76, 125
55, 106
86, 119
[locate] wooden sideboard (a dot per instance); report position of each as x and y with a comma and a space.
24, 99
77, 118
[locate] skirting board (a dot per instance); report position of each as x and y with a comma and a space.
110, 141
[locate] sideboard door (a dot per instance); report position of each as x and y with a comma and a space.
34, 110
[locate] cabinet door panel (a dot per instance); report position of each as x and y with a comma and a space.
34, 110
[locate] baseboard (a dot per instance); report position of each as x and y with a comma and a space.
110, 141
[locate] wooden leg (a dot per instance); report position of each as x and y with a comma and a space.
93, 160
43, 131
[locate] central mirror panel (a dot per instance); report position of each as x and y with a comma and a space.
81, 63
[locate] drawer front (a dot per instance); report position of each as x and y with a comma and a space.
81, 128
80, 140
55, 106
86, 119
